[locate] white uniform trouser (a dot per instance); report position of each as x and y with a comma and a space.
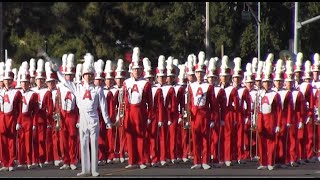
93, 133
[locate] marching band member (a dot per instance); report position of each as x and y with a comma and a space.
216, 146
45, 110
282, 151
138, 97
203, 115
88, 98
109, 82
231, 114
157, 144
268, 120
69, 114
295, 121
316, 92
171, 102
306, 89
10, 111
27, 119
120, 75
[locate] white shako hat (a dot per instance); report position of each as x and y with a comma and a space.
278, 73
98, 66
258, 74
237, 71
307, 70
24, 74
32, 67
200, 66
190, 65
248, 75
267, 73
254, 64
78, 73
316, 62
147, 69
136, 62
120, 72
171, 71
108, 70
88, 64
298, 65
70, 67
8, 74
288, 75
224, 69
212, 71
182, 79
161, 69
64, 63
51, 75
40, 72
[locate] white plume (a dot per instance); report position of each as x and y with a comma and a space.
249, 69
48, 67
316, 59
8, 65
64, 60
224, 62
194, 57
146, 64
170, 63
190, 63
108, 67
237, 63
270, 57
175, 62
299, 59
15, 72
201, 56
70, 61
89, 59
279, 66
182, 72
1, 68
161, 62
254, 64
289, 67
79, 69
260, 67
212, 64
40, 65
32, 64
307, 66
120, 65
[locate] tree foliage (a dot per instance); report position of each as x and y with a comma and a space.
110, 29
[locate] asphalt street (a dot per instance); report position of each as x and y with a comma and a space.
117, 170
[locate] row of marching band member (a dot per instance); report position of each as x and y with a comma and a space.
192, 110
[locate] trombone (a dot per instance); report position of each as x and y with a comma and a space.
120, 115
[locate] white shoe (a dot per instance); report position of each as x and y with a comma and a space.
130, 166
185, 159
163, 163
142, 166
65, 166
270, 167
29, 166
115, 159
122, 160
154, 164
173, 161
109, 161
73, 167
179, 159
261, 167
4, 169
57, 163
206, 166
228, 163
46, 162
95, 174
34, 165
22, 166
41, 165
83, 174
11, 168
196, 166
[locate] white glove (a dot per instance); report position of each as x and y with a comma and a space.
185, 114
33, 127
300, 125
179, 120
187, 125
277, 129
18, 126
108, 126
211, 124
288, 125
77, 125
160, 124
169, 123
308, 120
221, 123
246, 121
149, 121
48, 126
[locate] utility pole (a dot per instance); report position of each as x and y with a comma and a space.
207, 32
298, 25
259, 31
